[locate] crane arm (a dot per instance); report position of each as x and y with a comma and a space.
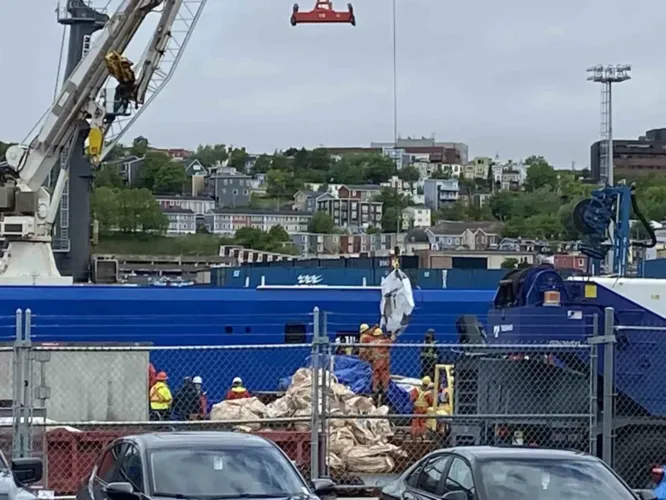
27, 209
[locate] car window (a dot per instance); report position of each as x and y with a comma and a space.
106, 467
460, 477
551, 479
431, 474
224, 472
130, 468
413, 478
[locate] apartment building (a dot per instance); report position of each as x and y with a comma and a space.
306, 201
182, 221
353, 207
230, 189
439, 193
416, 217
449, 235
226, 221
198, 205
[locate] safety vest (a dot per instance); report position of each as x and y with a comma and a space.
160, 397
421, 402
429, 352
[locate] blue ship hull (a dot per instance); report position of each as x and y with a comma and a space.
218, 317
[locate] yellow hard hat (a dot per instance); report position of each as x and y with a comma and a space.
363, 328
426, 380
377, 332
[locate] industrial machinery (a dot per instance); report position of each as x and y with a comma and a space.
604, 219
27, 209
323, 13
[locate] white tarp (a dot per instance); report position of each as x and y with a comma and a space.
397, 302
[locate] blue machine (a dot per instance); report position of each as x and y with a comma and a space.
538, 306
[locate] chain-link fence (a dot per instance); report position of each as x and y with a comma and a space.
374, 414
638, 428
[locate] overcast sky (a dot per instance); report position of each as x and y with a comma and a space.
506, 77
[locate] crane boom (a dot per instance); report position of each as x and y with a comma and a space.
27, 209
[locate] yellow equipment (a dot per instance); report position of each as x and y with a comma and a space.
445, 408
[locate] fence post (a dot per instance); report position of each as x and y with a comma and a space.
609, 385
594, 389
17, 393
314, 423
326, 384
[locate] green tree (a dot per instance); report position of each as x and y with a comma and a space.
169, 178
210, 155
238, 159
409, 174
262, 165
138, 211
540, 174
104, 206
127, 210
109, 176
274, 240
139, 147
153, 161
509, 263
456, 211
321, 223
501, 205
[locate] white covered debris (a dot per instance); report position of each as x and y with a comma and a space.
355, 444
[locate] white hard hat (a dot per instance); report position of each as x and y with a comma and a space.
237, 380
197, 380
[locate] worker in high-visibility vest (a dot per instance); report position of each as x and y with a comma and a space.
422, 398
160, 398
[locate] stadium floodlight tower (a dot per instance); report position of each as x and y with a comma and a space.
607, 76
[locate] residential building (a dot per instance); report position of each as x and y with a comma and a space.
416, 217
181, 221
477, 168
632, 157
199, 205
452, 235
230, 190
446, 152
176, 154
197, 175
226, 221
353, 208
129, 169
416, 240
439, 193
379, 244
306, 201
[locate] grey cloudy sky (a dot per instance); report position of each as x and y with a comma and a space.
506, 77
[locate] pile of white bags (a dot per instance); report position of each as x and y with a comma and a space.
355, 444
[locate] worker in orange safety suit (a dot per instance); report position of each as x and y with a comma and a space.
237, 390
160, 398
365, 337
422, 398
380, 355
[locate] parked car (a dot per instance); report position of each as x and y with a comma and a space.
17, 475
197, 465
510, 473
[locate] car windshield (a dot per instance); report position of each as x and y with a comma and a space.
219, 473
551, 479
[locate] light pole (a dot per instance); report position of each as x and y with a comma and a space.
607, 76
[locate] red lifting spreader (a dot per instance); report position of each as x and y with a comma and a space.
323, 13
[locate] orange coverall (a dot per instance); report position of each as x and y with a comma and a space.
238, 393
381, 362
422, 399
365, 354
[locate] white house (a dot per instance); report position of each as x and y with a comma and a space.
416, 217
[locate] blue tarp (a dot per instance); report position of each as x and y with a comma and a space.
357, 375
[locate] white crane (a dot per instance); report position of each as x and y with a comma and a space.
27, 209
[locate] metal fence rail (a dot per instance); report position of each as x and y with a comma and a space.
331, 413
